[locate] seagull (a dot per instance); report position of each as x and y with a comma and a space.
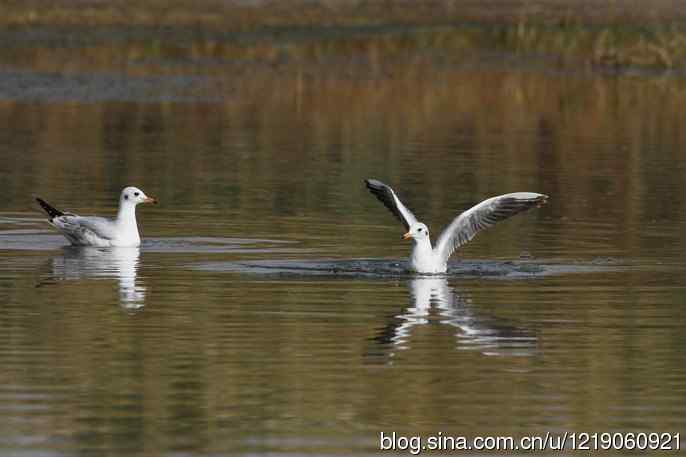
121, 231
428, 259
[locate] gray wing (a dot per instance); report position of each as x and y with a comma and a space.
102, 227
486, 214
76, 226
386, 196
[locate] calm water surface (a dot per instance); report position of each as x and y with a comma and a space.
247, 323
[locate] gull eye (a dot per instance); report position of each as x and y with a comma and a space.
419, 229
136, 194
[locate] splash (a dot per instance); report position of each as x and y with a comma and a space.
399, 268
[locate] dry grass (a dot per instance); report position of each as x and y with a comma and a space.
254, 13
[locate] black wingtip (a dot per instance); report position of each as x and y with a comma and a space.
376, 187
52, 212
374, 184
542, 200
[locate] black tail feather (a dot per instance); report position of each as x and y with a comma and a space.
52, 212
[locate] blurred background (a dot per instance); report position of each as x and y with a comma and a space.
254, 122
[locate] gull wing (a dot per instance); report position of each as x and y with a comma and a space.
100, 226
386, 196
482, 216
77, 228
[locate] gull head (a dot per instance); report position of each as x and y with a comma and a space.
417, 232
133, 195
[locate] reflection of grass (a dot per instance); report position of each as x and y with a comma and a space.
568, 35
614, 45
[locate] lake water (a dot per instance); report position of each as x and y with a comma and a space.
268, 310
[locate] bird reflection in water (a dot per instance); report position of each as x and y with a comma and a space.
432, 300
79, 263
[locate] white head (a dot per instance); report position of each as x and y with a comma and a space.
417, 232
133, 195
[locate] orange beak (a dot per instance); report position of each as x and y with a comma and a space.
407, 236
150, 200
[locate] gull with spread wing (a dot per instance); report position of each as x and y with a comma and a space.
428, 259
121, 231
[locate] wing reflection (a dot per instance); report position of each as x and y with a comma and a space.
79, 263
432, 300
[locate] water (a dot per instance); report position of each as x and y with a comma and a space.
268, 309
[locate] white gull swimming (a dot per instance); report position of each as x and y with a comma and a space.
122, 231
428, 259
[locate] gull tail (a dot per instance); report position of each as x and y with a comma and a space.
52, 212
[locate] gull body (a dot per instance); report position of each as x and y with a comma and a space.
122, 231
426, 258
